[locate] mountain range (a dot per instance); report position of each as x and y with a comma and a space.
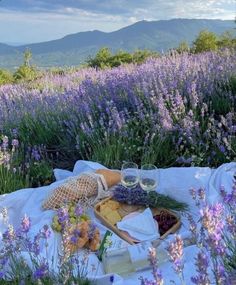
74, 49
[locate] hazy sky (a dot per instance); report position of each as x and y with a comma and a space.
26, 21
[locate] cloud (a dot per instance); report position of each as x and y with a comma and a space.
35, 27
124, 7
40, 20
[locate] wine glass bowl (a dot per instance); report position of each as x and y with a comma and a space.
129, 177
129, 174
148, 177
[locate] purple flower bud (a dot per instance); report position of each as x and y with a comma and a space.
5, 142
15, 143
74, 239
46, 232
222, 149
35, 154
78, 210
42, 271
175, 250
63, 215
9, 234
25, 224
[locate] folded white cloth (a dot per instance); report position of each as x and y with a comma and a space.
141, 227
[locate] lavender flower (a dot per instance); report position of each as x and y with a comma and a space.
157, 275
9, 234
15, 143
175, 250
211, 218
202, 264
92, 229
63, 215
42, 271
78, 210
35, 154
193, 193
201, 194
221, 274
155, 271
74, 239
5, 142
75, 236
140, 197
25, 224
46, 232
229, 198
231, 225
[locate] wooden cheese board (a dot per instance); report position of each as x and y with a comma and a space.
109, 212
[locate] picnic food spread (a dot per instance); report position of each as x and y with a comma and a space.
72, 198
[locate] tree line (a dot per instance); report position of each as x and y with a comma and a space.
205, 41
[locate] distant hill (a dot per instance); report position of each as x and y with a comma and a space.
75, 48
5, 49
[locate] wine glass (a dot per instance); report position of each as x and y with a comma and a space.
148, 177
129, 175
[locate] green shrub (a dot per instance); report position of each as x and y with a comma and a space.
5, 77
104, 58
139, 56
183, 47
25, 72
205, 41
226, 40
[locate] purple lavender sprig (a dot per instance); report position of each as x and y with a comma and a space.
175, 250
202, 266
212, 222
140, 197
156, 273
41, 271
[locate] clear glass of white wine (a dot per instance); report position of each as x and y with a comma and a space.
129, 175
148, 177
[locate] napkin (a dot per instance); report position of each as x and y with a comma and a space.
141, 227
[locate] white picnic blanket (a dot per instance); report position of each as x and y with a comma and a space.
174, 182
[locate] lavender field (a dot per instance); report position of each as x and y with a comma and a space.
178, 109
172, 110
